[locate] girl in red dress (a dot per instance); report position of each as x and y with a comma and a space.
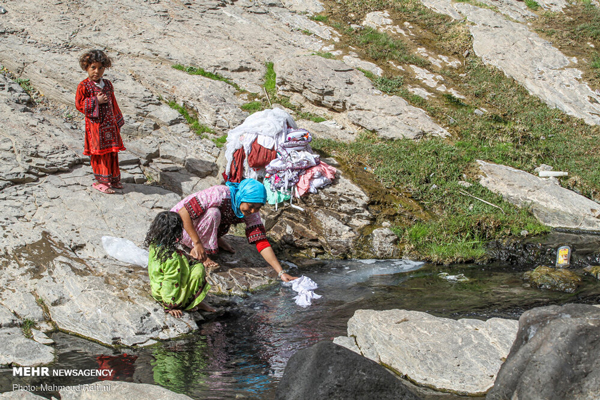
103, 120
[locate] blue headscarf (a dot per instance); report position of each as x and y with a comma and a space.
247, 191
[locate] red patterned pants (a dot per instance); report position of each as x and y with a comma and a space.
106, 168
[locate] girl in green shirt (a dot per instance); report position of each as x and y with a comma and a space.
177, 283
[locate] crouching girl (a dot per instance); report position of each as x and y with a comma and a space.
177, 283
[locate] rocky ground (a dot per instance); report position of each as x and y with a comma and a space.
55, 272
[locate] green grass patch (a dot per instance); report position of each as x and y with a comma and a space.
270, 78
220, 141
389, 85
252, 106
210, 75
532, 5
306, 32
324, 55
310, 117
381, 47
198, 128
319, 18
27, 326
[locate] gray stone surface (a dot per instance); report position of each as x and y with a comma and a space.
20, 395
384, 241
339, 87
328, 371
331, 220
410, 342
551, 204
16, 349
555, 356
523, 55
166, 116
110, 390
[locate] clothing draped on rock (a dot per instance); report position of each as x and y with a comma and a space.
212, 214
102, 128
176, 283
253, 144
269, 145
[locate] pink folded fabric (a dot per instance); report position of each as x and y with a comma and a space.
304, 182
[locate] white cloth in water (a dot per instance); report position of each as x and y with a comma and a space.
304, 286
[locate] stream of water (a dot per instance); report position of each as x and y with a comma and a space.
243, 353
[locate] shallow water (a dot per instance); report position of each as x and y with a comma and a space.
243, 354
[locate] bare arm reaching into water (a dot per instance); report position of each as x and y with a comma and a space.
270, 257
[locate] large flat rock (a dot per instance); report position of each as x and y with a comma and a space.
460, 356
535, 63
551, 204
339, 87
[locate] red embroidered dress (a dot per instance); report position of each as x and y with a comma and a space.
102, 129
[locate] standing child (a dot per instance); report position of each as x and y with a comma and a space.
176, 283
103, 120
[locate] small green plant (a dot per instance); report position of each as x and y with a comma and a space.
26, 327
210, 75
252, 106
306, 32
220, 141
195, 126
532, 4
324, 55
40, 301
453, 100
389, 85
270, 81
25, 84
310, 116
319, 18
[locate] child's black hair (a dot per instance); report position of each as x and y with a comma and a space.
93, 56
165, 232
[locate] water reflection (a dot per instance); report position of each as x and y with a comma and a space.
244, 354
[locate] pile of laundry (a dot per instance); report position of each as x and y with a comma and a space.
270, 146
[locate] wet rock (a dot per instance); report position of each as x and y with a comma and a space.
555, 355
384, 241
551, 204
328, 371
558, 279
409, 343
541, 250
112, 390
16, 349
593, 270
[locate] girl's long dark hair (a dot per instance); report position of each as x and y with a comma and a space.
165, 232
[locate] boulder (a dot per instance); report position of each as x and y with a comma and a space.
555, 356
551, 204
20, 395
408, 342
558, 279
327, 371
383, 242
